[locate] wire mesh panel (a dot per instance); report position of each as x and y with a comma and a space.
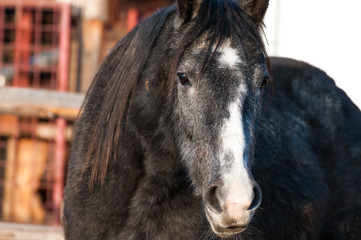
28, 170
34, 38
34, 53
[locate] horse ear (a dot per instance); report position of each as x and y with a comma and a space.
188, 8
256, 9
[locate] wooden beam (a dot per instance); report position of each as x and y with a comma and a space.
27, 102
11, 231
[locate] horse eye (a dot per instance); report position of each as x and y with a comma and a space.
183, 79
264, 82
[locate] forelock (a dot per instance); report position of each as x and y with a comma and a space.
216, 22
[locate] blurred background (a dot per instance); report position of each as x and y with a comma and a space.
325, 33
50, 51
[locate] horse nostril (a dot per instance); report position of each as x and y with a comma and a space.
257, 198
212, 198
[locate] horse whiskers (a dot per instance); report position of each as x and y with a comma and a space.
251, 228
207, 233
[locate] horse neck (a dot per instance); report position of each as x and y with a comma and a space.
150, 114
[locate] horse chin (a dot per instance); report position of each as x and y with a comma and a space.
225, 228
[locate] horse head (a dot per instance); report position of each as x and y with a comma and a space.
185, 88
220, 72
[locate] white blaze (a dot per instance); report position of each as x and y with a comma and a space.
229, 56
238, 188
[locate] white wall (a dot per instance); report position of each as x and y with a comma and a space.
324, 33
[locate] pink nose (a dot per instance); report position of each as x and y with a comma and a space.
232, 205
235, 210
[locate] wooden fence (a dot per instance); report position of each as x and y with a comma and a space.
35, 130
11, 231
39, 103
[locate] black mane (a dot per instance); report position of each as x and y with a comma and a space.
112, 89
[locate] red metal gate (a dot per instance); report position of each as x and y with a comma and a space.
34, 44
34, 53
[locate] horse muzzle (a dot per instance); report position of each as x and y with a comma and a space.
230, 212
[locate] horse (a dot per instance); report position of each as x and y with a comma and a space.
181, 136
307, 157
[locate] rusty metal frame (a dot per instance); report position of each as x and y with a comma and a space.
59, 74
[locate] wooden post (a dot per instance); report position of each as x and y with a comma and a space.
24, 168
9, 187
92, 39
